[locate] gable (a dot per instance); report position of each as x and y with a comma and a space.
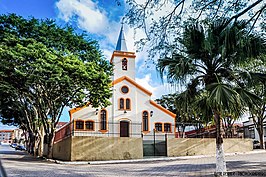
162, 109
133, 83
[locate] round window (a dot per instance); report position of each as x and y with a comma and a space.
124, 89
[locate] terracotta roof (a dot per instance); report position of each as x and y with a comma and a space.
6, 131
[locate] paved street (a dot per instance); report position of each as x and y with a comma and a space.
18, 163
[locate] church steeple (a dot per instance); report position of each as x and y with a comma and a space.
122, 59
121, 42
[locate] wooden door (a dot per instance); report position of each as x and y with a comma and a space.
124, 129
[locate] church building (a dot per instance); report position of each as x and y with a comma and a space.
132, 112
132, 127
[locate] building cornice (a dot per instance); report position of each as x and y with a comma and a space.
122, 54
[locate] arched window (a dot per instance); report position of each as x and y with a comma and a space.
124, 64
127, 103
89, 125
167, 127
79, 125
121, 103
103, 120
158, 127
145, 120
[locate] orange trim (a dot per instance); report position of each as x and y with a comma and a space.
132, 82
146, 131
127, 88
122, 54
93, 125
103, 131
79, 120
119, 104
126, 104
155, 126
73, 110
162, 109
170, 127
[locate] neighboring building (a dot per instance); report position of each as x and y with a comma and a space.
6, 136
210, 132
19, 136
132, 112
250, 131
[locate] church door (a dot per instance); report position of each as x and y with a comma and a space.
124, 129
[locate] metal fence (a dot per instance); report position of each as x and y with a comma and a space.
74, 128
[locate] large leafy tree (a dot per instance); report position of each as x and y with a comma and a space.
49, 68
206, 62
186, 112
255, 77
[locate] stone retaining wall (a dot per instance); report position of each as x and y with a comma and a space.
205, 146
89, 148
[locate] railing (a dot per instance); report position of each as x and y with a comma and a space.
64, 132
80, 128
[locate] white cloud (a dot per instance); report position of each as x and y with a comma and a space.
145, 82
89, 16
156, 88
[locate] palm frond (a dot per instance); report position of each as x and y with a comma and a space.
248, 98
176, 68
223, 97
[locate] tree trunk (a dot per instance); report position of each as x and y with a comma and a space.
36, 145
31, 143
40, 149
50, 145
220, 159
261, 134
183, 132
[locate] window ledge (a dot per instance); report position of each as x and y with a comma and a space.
145, 132
103, 131
86, 130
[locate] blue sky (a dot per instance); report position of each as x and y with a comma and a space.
101, 19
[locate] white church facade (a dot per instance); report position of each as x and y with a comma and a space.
132, 127
132, 112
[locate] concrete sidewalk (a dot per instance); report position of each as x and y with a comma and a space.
151, 159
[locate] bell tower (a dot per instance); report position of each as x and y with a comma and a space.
122, 59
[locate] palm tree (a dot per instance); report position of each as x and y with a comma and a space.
206, 63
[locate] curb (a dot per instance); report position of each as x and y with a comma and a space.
146, 160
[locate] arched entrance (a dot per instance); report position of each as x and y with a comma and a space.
124, 128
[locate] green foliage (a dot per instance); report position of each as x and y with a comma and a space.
163, 20
45, 68
207, 62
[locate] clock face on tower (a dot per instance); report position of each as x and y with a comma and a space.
124, 89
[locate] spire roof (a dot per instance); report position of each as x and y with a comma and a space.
121, 42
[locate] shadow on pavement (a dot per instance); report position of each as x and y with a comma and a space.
13, 155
